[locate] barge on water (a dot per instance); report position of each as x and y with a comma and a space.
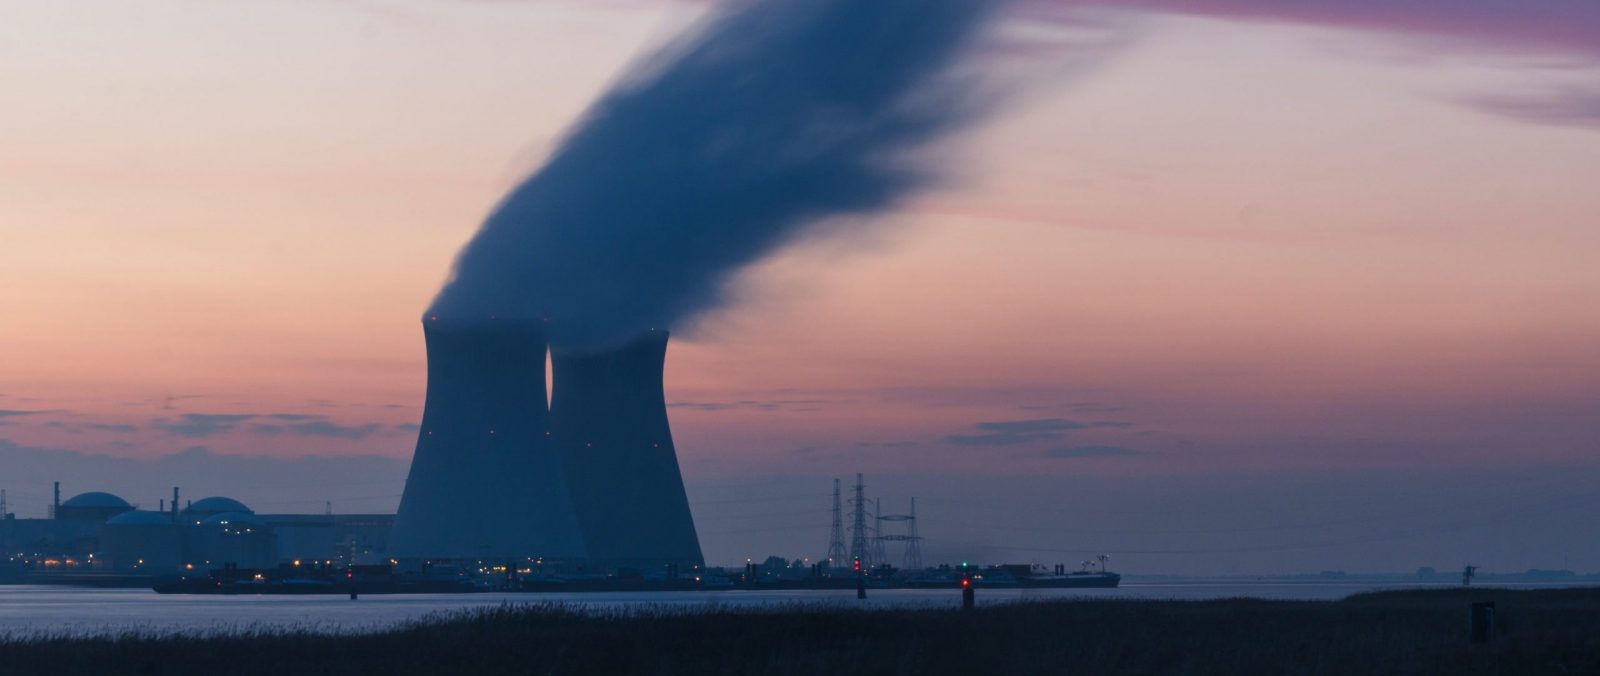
1036, 576
316, 579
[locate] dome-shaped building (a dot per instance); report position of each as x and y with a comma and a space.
93, 506
139, 517
216, 504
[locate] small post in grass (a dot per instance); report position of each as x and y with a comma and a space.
968, 596
1481, 622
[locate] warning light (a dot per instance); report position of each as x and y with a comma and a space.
966, 583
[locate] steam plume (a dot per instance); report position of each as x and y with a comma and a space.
767, 118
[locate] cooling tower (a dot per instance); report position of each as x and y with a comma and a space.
609, 417
485, 481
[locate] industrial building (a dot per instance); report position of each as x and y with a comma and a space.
587, 475
609, 421
101, 532
586, 478
485, 481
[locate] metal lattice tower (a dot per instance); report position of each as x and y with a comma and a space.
913, 540
858, 525
913, 552
836, 553
878, 556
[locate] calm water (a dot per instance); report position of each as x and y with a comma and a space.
51, 610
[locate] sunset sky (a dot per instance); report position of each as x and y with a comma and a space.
1251, 262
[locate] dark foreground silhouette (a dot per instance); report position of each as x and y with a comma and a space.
1540, 631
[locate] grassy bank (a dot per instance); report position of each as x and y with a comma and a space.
1542, 631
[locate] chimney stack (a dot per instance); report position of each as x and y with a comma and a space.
608, 415
485, 435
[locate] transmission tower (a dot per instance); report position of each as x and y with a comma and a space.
836, 553
858, 525
913, 552
913, 540
878, 557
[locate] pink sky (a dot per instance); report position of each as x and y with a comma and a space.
1317, 242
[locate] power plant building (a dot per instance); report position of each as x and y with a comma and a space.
586, 478
589, 475
100, 532
609, 414
485, 481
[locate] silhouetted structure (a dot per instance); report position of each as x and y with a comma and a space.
913, 541
836, 554
858, 526
609, 417
485, 481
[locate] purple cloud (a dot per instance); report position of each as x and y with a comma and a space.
197, 425
1558, 25
1570, 107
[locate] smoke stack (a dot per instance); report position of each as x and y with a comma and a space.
55, 505
484, 480
609, 418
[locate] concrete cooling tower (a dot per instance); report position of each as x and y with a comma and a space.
485, 481
609, 416
591, 478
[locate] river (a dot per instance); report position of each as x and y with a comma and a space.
40, 610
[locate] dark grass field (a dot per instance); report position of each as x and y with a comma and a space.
1405, 632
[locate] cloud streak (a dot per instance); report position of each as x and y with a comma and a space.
202, 425
1574, 107
1557, 27
755, 404
318, 428
1070, 452
1014, 432
7, 413
1571, 26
